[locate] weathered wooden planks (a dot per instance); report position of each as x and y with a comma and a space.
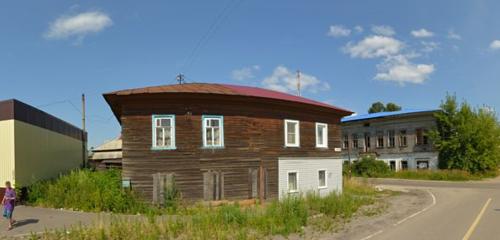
253, 136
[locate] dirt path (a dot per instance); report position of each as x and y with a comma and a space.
398, 208
33, 220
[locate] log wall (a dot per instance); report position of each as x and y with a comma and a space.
253, 135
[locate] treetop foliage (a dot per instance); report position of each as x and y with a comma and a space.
467, 138
380, 107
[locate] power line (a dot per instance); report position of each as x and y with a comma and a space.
219, 20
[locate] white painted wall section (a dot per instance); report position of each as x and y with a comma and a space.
308, 175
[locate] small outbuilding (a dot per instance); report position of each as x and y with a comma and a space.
221, 141
35, 145
107, 155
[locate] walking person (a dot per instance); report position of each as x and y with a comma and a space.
9, 202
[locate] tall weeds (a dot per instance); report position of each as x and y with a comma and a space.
88, 191
231, 221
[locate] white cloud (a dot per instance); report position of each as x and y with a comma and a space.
358, 29
338, 31
383, 30
373, 47
422, 33
79, 25
245, 73
396, 58
399, 69
495, 45
453, 35
428, 47
284, 80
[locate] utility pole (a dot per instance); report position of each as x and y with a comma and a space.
84, 133
298, 82
180, 78
83, 112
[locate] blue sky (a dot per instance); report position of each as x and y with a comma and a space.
350, 53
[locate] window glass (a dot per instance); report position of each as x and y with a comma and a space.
392, 138
213, 132
355, 143
380, 139
291, 133
292, 181
321, 135
322, 178
164, 131
345, 145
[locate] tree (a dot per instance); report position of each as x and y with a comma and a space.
380, 107
467, 138
377, 107
392, 107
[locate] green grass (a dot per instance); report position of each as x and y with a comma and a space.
440, 175
87, 191
231, 221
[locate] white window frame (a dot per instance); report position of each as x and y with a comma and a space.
389, 138
325, 135
155, 146
326, 179
297, 135
288, 181
206, 118
345, 139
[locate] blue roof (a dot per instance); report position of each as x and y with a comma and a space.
384, 114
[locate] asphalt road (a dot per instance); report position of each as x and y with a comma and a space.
461, 210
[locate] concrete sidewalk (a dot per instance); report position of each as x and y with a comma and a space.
33, 219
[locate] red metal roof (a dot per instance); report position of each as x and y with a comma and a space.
227, 89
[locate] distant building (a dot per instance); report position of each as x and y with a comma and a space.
35, 145
222, 141
399, 138
107, 155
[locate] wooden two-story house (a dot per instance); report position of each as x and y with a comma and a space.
223, 141
398, 138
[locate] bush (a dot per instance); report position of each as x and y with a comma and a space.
88, 191
369, 166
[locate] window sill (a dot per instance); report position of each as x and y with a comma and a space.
292, 146
322, 147
294, 191
163, 148
212, 147
324, 187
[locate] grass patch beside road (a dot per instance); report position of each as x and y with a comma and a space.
371, 167
441, 175
232, 221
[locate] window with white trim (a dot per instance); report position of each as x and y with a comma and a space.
391, 138
321, 135
213, 131
292, 134
322, 178
293, 178
164, 131
345, 144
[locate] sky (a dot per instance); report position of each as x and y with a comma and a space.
350, 53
